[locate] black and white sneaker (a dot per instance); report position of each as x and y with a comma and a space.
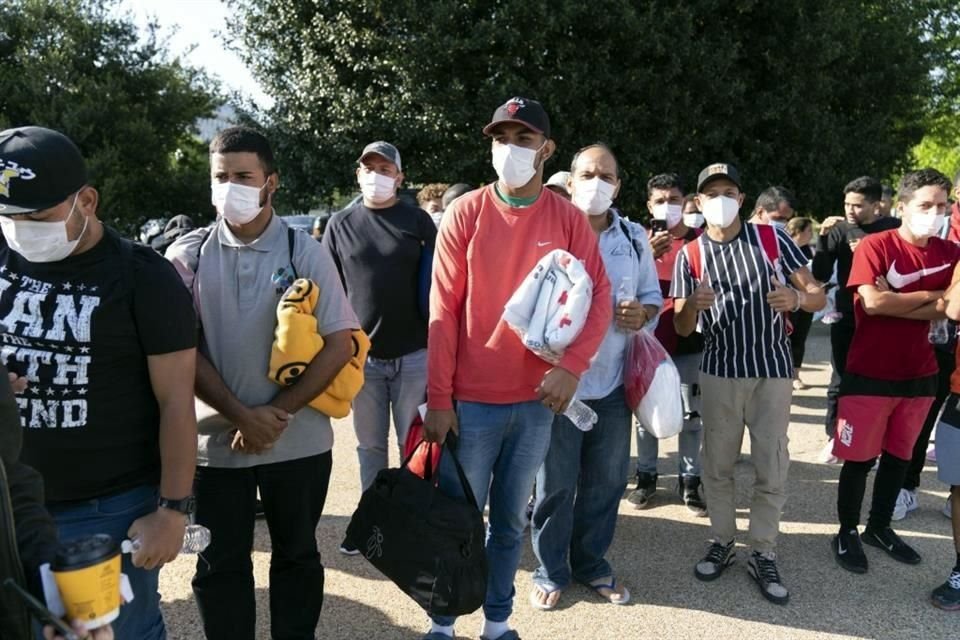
718, 558
646, 487
348, 549
762, 567
947, 595
848, 551
689, 489
890, 542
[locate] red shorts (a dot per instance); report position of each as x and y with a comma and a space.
869, 425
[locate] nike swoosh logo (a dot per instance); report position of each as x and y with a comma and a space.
543, 244
900, 280
840, 548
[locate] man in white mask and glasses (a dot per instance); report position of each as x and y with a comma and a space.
258, 436
730, 283
380, 245
506, 397
105, 336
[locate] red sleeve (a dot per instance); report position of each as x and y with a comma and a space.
447, 294
868, 262
953, 234
584, 245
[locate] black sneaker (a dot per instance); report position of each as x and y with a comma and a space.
762, 567
646, 487
947, 595
718, 558
848, 551
890, 542
689, 490
348, 549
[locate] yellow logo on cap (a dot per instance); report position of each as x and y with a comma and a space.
717, 168
10, 170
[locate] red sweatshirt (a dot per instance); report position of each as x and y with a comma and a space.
485, 249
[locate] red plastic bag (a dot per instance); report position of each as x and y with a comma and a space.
644, 355
424, 456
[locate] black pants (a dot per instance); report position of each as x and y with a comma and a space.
947, 363
841, 335
293, 495
798, 339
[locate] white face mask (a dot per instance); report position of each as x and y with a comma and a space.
593, 196
720, 211
237, 203
780, 224
693, 220
672, 213
515, 166
436, 217
924, 224
41, 241
376, 187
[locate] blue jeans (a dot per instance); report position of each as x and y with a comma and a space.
113, 515
500, 448
579, 488
400, 383
688, 455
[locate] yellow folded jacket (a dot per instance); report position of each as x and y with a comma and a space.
298, 342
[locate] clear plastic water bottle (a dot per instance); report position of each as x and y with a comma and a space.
582, 416
626, 292
196, 538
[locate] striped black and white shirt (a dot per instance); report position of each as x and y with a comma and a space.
743, 336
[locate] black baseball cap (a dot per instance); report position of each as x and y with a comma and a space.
718, 170
525, 111
384, 149
178, 226
39, 169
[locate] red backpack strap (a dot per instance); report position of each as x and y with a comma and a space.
768, 240
694, 258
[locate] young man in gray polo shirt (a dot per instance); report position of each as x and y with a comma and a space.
261, 437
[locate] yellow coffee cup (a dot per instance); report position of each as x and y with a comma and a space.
87, 572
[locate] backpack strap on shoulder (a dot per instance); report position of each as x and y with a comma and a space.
291, 245
637, 248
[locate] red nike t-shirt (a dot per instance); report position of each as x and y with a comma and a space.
885, 347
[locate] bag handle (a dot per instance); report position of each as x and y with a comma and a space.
464, 484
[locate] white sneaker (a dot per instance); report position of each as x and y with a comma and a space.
948, 509
906, 502
826, 455
932, 453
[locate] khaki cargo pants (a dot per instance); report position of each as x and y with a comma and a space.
763, 406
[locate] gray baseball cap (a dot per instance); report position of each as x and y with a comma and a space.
384, 149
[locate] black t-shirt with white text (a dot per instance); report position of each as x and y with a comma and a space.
80, 330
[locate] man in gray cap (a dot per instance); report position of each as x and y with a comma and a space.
105, 335
378, 246
731, 285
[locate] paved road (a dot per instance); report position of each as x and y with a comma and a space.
654, 553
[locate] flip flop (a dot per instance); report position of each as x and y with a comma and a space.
547, 591
612, 587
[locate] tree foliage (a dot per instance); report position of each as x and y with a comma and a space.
72, 66
804, 93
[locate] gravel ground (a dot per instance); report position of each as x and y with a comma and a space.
654, 553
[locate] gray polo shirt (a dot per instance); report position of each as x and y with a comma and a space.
236, 293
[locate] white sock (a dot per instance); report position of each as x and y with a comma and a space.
493, 630
439, 628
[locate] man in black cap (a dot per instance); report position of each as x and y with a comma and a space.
506, 397
105, 335
378, 246
730, 285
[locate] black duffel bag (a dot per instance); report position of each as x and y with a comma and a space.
429, 544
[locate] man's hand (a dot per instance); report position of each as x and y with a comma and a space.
557, 389
660, 243
17, 383
782, 298
438, 424
630, 315
882, 285
829, 223
261, 427
161, 537
103, 633
702, 297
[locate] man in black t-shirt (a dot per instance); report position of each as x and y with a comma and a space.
839, 236
105, 335
383, 248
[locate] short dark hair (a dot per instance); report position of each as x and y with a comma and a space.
920, 179
245, 139
455, 192
595, 145
665, 181
771, 197
869, 188
887, 192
